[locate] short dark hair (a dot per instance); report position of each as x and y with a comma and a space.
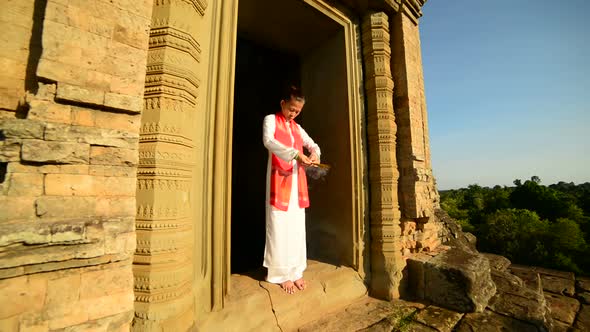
292, 91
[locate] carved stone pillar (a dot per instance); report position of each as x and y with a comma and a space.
163, 264
386, 260
418, 194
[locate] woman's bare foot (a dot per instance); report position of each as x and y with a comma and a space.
288, 287
300, 283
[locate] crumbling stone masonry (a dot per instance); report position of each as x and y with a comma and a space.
71, 94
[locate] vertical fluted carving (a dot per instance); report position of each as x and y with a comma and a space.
386, 261
163, 265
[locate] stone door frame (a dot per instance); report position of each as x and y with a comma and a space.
221, 102
182, 263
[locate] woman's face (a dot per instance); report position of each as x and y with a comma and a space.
291, 108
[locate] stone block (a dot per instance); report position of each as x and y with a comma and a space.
583, 319
413, 280
489, 321
327, 287
21, 208
100, 155
67, 314
21, 128
48, 111
93, 136
458, 280
48, 207
115, 206
98, 80
125, 225
100, 170
124, 102
497, 262
46, 91
69, 185
559, 282
119, 244
25, 184
563, 308
558, 285
19, 13
10, 324
126, 85
60, 72
46, 233
121, 121
55, 152
247, 307
22, 294
88, 185
112, 304
115, 186
10, 150
16, 167
584, 297
79, 94
515, 299
11, 99
34, 324
63, 289
112, 279
82, 117
441, 319
583, 284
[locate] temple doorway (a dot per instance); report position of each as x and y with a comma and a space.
293, 42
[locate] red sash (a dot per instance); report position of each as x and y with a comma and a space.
281, 172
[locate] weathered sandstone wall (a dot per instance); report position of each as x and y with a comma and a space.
71, 94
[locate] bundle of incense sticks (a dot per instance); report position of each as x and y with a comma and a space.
324, 166
317, 171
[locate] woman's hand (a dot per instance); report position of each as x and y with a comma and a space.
304, 160
314, 159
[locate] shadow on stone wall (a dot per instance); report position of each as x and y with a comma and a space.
35, 51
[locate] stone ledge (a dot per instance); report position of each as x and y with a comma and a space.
257, 305
454, 279
70, 93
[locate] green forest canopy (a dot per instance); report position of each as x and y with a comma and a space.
529, 223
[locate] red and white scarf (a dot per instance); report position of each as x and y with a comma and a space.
282, 171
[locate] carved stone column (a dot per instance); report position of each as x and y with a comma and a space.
163, 264
386, 260
416, 181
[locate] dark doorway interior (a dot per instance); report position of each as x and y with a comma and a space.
261, 72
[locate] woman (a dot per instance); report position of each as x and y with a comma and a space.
285, 254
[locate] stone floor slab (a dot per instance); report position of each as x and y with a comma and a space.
563, 308
256, 305
443, 320
362, 314
328, 288
583, 284
583, 319
488, 321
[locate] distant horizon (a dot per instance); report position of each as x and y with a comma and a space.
507, 89
511, 184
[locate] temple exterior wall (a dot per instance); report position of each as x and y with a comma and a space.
70, 111
115, 157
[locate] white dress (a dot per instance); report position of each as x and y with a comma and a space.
285, 254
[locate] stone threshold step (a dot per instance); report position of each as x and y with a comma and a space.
256, 305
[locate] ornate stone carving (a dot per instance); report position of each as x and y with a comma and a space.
163, 264
198, 5
386, 261
412, 8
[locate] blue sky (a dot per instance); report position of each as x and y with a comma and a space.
507, 90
